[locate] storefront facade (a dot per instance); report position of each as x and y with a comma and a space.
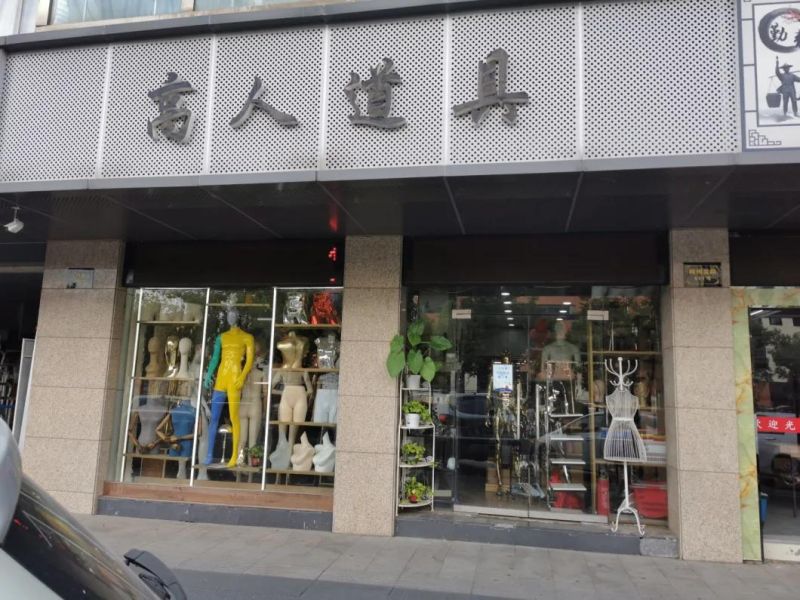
241, 216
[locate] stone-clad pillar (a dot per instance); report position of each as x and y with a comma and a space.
366, 439
75, 382
702, 458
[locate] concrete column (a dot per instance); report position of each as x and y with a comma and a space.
702, 454
75, 381
366, 439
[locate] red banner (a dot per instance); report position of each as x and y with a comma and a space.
778, 424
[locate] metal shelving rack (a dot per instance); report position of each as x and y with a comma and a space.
403, 434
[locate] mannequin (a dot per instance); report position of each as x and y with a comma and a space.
327, 351
296, 386
171, 355
177, 430
202, 428
303, 454
280, 457
155, 364
566, 357
326, 399
184, 349
149, 414
230, 348
324, 455
251, 409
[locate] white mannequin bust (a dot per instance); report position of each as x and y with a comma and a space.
303, 454
324, 455
279, 459
184, 349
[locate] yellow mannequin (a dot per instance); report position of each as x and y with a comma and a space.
229, 350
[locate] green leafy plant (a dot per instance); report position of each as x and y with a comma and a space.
415, 491
412, 352
415, 407
256, 451
412, 453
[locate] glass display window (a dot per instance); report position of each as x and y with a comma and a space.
232, 388
527, 396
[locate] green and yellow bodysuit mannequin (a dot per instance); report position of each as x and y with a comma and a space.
230, 348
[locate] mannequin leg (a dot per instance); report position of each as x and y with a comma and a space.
284, 414
217, 402
244, 426
233, 406
252, 433
299, 412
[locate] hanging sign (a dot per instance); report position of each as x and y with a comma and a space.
597, 315
502, 378
702, 275
461, 313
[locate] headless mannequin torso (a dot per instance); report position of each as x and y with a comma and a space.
296, 385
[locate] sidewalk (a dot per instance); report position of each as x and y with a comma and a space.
223, 561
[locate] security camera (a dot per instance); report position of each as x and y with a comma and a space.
15, 225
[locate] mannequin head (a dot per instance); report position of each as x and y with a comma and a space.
233, 317
185, 346
561, 331
154, 345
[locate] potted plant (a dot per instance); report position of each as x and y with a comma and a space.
416, 413
412, 353
412, 453
415, 491
256, 455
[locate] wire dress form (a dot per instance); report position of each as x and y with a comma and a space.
623, 442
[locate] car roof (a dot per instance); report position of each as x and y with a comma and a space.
10, 478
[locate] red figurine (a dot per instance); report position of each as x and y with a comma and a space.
323, 311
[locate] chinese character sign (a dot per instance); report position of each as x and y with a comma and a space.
492, 78
770, 34
174, 120
379, 96
790, 425
254, 101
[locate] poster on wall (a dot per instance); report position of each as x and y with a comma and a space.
770, 57
502, 378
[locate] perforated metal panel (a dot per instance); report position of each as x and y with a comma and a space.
417, 48
290, 65
541, 44
136, 69
660, 78
51, 114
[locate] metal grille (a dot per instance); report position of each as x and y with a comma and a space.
417, 48
51, 114
136, 69
541, 43
290, 64
660, 78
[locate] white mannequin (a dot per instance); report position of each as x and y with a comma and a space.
184, 349
326, 398
279, 459
251, 406
565, 356
155, 366
324, 455
303, 455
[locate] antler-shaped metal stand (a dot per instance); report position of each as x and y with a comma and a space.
623, 406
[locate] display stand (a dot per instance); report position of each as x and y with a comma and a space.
424, 433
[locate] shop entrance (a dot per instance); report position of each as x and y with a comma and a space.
775, 365
521, 399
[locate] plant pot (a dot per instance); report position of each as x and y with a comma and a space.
255, 461
413, 499
412, 420
413, 382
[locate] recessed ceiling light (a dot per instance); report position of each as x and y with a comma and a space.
559, 318
505, 293
510, 318
563, 312
506, 301
507, 311
510, 324
567, 303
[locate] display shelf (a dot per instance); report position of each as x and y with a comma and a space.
304, 424
239, 305
306, 326
156, 456
406, 504
177, 379
224, 467
422, 465
303, 370
420, 426
567, 487
293, 472
172, 323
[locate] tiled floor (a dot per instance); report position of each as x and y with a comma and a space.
222, 561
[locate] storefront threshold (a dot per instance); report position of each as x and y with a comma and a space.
576, 516
584, 537
289, 509
782, 548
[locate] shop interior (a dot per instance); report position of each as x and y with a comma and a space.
231, 388
528, 395
775, 356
